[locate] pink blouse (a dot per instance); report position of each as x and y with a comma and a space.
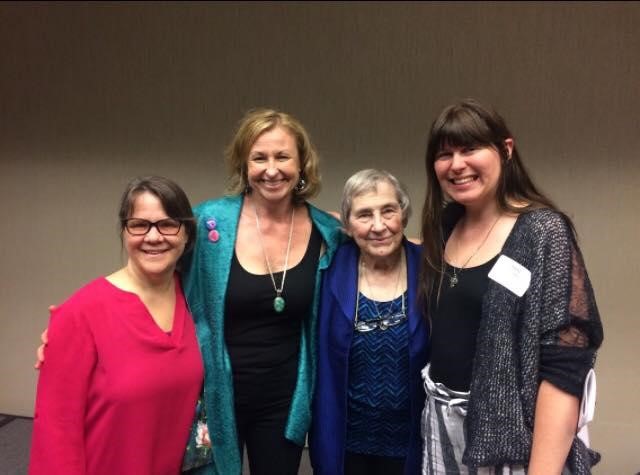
116, 394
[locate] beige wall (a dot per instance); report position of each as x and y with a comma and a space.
91, 95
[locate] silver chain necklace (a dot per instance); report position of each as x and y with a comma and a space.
381, 323
366, 279
453, 279
278, 301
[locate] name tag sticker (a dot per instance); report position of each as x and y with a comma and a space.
511, 275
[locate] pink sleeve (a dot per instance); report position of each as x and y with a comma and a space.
58, 443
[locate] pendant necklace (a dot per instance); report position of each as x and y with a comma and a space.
278, 301
453, 279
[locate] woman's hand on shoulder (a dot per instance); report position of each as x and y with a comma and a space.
44, 338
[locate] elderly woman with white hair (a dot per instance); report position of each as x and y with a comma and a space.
372, 339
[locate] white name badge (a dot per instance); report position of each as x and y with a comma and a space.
511, 275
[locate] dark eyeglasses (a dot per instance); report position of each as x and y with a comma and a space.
382, 323
140, 227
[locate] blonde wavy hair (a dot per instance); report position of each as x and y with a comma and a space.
256, 122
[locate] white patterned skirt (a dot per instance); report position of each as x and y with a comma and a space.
444, 436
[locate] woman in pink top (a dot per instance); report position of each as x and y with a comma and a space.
123, 372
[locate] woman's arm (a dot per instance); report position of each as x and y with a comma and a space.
573, 333
554, 427
58, 441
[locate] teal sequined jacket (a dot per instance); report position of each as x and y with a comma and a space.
205, 275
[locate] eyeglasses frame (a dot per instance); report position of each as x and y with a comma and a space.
152, 224
364, 326
379, 322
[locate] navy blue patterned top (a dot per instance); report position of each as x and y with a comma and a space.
378, 398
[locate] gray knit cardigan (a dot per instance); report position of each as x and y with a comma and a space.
558, 309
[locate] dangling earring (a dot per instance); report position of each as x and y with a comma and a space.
300, 186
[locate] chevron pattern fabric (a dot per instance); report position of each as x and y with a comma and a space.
378, 399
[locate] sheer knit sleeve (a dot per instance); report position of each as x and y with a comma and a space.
569, 344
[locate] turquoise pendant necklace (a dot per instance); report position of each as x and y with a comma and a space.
278, 301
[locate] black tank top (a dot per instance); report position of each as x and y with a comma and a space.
263, 345
455, 323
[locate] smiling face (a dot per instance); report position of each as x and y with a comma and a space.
375, 222
273, 166
469, 175
152, 255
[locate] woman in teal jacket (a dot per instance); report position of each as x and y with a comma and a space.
252, 283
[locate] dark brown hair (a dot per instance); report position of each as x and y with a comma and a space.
173, 199
465, 124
